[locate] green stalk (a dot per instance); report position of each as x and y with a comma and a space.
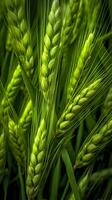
79, 137
70, 173
55, 181
23, 196
65, 191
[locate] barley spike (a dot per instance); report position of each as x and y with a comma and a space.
80, 65
25, 119
11, 91
37, 157
21, 37
82, 186
75, 106
17, 143
78, 22
21, 43
51, 48
68, 22
95, 144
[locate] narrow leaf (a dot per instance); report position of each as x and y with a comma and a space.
70, 173
55, 181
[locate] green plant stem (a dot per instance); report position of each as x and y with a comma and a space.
71, 151
109, 185
71, 177
4, 68
55, 180
79, 138
65, 191
90, 122
23, 196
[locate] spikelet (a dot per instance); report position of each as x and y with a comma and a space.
36, 164
94, 145
68, 22
11, 92
80, 65
82, 186
76, 28
17, 144
51, 49
20, 34
25, 119
75, 106
21, 43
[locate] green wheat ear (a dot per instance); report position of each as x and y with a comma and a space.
11, 91
20, 33
25, 119
51, 49
17, 144
21, 43
68, 22
94, 145
82, 186
80, 65
36, 165
79, 19
75, 106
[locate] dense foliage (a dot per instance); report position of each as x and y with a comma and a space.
56, 99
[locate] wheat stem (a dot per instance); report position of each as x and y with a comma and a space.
82, 186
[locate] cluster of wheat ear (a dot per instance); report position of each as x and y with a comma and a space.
55, 99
